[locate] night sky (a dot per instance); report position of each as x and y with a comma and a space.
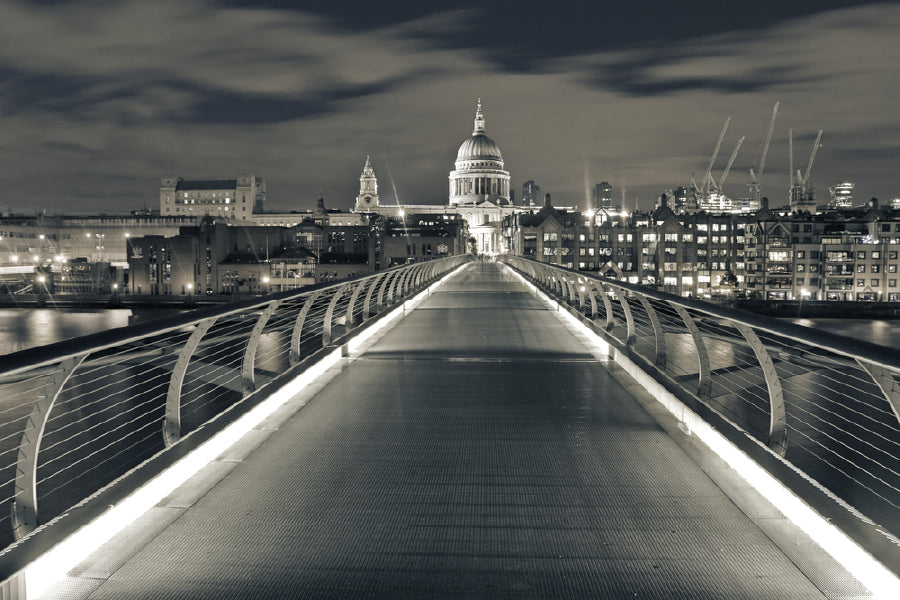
99, 99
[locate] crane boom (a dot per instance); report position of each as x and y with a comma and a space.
791, 158
762, 161
707, 179
730, 162
756, 177
812, 157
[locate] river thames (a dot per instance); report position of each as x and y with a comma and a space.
22, 328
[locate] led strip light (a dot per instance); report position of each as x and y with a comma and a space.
881, 581
54, 564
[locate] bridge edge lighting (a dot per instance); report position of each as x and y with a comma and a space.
55, 564
878, 579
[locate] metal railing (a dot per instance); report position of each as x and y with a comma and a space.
77, 415
800, 399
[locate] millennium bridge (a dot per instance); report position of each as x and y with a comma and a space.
464, 428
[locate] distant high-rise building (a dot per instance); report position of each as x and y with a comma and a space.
531, 194
602, 197
841, 195
680, 199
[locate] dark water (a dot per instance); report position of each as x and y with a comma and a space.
883, 332
22, 328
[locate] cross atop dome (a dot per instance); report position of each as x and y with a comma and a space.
479, 120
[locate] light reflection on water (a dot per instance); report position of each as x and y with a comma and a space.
877, 331
22, 328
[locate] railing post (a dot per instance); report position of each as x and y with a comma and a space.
297, 331
172, 420
704, 390
886, 383
248, 376
326, 322
777, 419
24, 510
659, 360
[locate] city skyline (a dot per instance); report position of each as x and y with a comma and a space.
103, 99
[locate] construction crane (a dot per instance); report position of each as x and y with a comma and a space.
812, 157
734, 153
790, 163
756, 178
800, 190
708, 182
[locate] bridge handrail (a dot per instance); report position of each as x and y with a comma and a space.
80, 413
825, 406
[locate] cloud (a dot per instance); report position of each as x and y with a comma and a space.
102, 98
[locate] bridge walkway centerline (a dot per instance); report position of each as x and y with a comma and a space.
476, 450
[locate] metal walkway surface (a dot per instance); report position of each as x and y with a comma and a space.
477, 450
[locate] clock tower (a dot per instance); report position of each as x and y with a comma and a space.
367, 200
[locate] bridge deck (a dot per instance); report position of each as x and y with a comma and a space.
475, 451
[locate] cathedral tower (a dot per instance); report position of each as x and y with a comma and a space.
368, 189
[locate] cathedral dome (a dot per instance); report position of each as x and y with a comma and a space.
479, 147
479, 176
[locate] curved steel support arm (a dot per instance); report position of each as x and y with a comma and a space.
886, 382
593, 298
25, 515
354, 297
248, 365
607, 306
659, 360
383, 288
777, 419
329, 313
298, 327
629, 319
172, 420
704, 390
367, 303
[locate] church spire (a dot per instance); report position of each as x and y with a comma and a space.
479, 120
368, 188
